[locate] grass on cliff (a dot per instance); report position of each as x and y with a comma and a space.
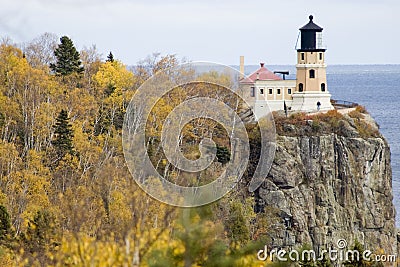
356, 123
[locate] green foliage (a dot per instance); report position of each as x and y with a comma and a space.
304, 260
63, 135
110, 57
360, 262
86, 210
237, 225
366, 130
68, 59
108, 119
41, 231
198, 240
223, 154
5, 224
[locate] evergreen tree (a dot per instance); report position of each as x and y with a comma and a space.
223, 154
68, 59
110, 57
358, 261
237, 228
5, 225
63, 135
41, 230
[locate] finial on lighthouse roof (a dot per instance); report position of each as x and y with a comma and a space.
311, 26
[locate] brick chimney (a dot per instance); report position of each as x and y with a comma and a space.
241, 67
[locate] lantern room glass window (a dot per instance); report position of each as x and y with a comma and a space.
320, 43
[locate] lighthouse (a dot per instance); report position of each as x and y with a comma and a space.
266, 91
311, 86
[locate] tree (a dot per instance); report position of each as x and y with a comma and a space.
40, 51
223, 154
237, 226
68, 60
110, 57
91, 61
41, 230
358, 261
5, 225
63, 135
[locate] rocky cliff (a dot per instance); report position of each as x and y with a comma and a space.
331, 185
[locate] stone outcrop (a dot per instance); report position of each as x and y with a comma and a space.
329, 187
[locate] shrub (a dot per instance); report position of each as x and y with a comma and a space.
356, 114
366, 130
361, 109
316, 125
332, 118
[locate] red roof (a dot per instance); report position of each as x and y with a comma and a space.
262, 74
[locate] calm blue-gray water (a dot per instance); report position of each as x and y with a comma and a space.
376, 87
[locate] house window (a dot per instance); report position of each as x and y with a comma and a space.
278, 91
270, 91
261, 91
302, 56
252, 91
312, 74
320, 56
300, 87
289, 91
323, 87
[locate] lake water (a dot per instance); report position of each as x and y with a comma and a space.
377, 87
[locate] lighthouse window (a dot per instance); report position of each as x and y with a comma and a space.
302, 56
289, 91
312, 74
270, 91
320, 56
322, 87
300, 87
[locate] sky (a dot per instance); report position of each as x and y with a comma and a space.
355, 31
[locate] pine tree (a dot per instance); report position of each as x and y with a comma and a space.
238, 230
63, 135
223, 154
68, 59
110, 57
5, 225
41, 231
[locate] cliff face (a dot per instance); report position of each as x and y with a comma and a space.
331, 187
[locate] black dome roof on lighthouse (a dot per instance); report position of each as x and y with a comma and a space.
311, 26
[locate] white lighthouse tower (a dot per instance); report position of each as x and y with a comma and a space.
311, 87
